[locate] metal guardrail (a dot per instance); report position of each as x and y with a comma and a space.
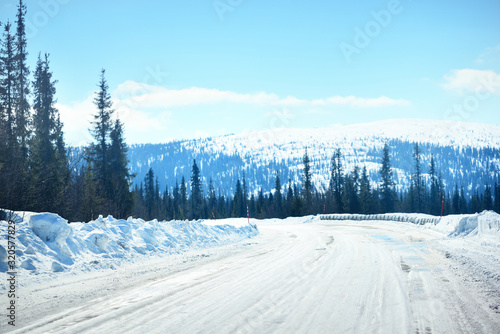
387, 217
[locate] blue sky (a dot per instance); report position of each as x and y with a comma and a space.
194, 68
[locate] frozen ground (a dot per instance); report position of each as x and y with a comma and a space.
298, 275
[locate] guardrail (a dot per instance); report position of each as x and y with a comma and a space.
387, 216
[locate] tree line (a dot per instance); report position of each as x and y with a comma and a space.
35, 173
351, 192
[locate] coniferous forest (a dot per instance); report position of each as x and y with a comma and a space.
36, 174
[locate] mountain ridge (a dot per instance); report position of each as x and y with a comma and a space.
467, 153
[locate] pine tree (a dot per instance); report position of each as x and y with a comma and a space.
49, 174
365, 195
177, 201
212, 201
238, 204
435, 191
99, 150
418, 185
121, 196
386, 183
22, 91
307, 186
350, 197
278, 198
196, 193
183, 214
9, 169
336, 186
456, 201
149, 194
462, 202
488, 200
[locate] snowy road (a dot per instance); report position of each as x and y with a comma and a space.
320, 277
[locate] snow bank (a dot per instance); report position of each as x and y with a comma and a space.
485, 225
46, 242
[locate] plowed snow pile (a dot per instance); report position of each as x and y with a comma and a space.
46, 243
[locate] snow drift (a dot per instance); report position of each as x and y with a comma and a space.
45, 242
484, 225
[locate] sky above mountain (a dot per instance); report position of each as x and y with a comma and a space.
187, 69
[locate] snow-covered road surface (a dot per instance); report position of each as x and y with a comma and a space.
319, 277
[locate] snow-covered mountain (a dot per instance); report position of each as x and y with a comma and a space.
466, 153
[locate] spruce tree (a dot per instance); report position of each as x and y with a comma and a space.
98, 151
212, 200
121, 177
149, 194
196, 193
238, 204
49, 174
278, 198
21, 89
435, 190
336, 186
307, 186
8, 143
488, 200
365, 195
418, 185
183, 214
455, 201
386, 183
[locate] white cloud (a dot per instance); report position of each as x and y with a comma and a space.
76, 118
150, 112
470, 80
360, 102
146, 96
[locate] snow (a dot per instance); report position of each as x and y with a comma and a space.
399, 273
46, 243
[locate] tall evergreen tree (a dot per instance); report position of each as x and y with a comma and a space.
196, 193
278, 198
351, 192
120, 175
365, 195
418, 185
183, 214
238, 208
336, 186
456, 201
22, 91
386, 183
99, 150
435, 190
149, 194
48, 165
212, 201
9, 171
488, 200
307, 186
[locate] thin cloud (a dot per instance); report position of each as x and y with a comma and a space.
470, 80
146, 96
